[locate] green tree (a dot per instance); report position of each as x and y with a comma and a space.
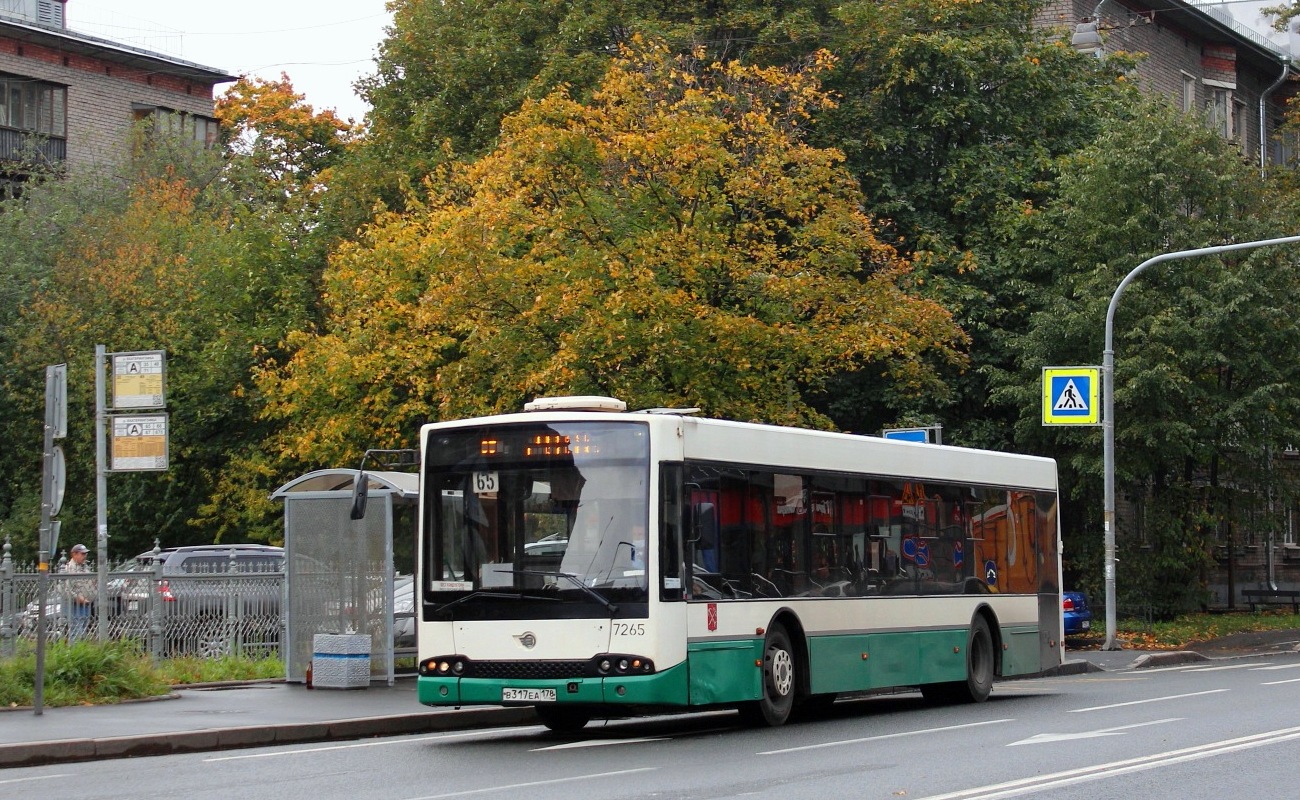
952, 115
672, 242
1202, 401
451, 71
166, 252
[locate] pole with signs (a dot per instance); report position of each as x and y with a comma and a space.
137, 381
101, 497
52, 486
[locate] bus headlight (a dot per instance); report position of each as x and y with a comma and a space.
618, 664
443, 666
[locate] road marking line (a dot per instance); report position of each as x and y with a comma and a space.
8, 781
599, 743
1256, 665
1048, 738
531, 784
881, 737
1039, 783
1278, 683
378, 743
1142, 702
1280, 666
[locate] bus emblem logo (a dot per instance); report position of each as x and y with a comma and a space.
713, 616
527, 639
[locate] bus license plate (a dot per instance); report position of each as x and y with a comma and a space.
513, 695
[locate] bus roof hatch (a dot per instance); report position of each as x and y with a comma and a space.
584, 402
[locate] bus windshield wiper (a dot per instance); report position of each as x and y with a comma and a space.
597, 596
518, 594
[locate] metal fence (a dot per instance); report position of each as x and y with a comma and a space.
231, 610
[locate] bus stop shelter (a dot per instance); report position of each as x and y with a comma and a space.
340, 572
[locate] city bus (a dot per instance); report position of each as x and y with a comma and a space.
594, 562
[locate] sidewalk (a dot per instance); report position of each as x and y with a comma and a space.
226, 717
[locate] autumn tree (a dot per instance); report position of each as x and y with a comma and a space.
274, 129
165, 252
673, 242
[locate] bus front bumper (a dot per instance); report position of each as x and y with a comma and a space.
662, 688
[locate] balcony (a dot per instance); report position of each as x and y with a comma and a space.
28, 149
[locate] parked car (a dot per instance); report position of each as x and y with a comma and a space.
1077, 615
211, 596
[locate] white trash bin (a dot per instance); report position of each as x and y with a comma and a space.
340, 661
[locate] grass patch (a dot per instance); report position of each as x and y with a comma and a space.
94, 673
1186, 630
82, 673
192, 669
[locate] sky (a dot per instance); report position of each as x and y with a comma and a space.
323, 45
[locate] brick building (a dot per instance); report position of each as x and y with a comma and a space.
71, 98
1199, 57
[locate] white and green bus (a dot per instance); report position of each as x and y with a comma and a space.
593, 562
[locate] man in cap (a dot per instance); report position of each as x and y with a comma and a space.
80, 594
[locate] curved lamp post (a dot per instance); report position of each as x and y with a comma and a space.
1108, 408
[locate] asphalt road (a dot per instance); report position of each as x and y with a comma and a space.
1196, 730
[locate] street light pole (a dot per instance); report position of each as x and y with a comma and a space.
1108, 409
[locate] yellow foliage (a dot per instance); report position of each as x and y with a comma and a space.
673, 242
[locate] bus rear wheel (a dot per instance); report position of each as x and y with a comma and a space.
779, 682
980, 667
563, 719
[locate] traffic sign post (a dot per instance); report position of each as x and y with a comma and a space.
931, 434
53, 480
1072, 396
139, 443
139, 379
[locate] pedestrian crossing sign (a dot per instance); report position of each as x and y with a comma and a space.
1071, 395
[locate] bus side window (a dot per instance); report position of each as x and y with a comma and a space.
704, 536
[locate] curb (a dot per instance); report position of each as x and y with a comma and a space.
1077, 666
1149, 660
30, 754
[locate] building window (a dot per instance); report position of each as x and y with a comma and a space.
33, 106
1220, 112
206, 131
1239, 118
1189, 93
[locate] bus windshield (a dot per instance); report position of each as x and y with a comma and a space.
537, 520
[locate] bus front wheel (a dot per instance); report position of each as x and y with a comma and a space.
563, 719
981, 664
779, 682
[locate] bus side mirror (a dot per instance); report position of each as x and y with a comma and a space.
360, 492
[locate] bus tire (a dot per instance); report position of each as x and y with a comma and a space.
981, 664
563, 719
780, 679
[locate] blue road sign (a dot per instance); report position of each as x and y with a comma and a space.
1071, 395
